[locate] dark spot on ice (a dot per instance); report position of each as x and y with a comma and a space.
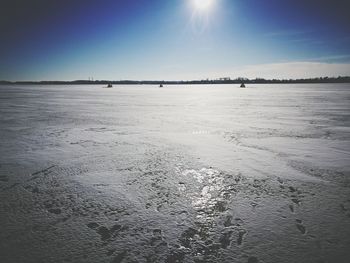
187, 236
253, 204
238, 221
225, 239
104, 233
237, 178
119, 258
220, 206
256, 183
55, 211
48, 205
296, 201
291, 207
115, 228
157, 232
301, 228
342, 206
110, 252
298, 221
44, 171
157, 236
292, 189
92, 225
35, 190
240, 237
228, 222
253, 260
65, 218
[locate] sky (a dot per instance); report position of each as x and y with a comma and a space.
173, 39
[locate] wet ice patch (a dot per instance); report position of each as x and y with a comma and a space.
210, 192
202, 174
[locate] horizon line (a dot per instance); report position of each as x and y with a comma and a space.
223, 79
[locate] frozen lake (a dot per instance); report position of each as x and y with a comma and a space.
206, 173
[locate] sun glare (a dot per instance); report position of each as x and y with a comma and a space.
203, 5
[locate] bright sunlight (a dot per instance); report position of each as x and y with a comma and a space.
203, 5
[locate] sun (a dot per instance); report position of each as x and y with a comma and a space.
203, 5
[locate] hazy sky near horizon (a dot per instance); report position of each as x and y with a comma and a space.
173, 39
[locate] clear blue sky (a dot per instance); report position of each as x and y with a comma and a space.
173, 39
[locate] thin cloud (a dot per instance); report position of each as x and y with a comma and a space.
293, 70
333, 57
307, 41
286, 33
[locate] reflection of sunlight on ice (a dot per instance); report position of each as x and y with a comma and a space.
211, 186
194, 174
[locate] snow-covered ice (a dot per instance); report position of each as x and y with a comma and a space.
180, 174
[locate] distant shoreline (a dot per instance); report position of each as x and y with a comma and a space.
345, 79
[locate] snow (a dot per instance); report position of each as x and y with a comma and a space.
202, 173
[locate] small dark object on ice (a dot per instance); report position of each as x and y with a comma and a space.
242, 85
160, 85
109, 86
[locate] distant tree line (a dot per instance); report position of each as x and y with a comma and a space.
345, 79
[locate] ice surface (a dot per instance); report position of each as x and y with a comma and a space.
180, 174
